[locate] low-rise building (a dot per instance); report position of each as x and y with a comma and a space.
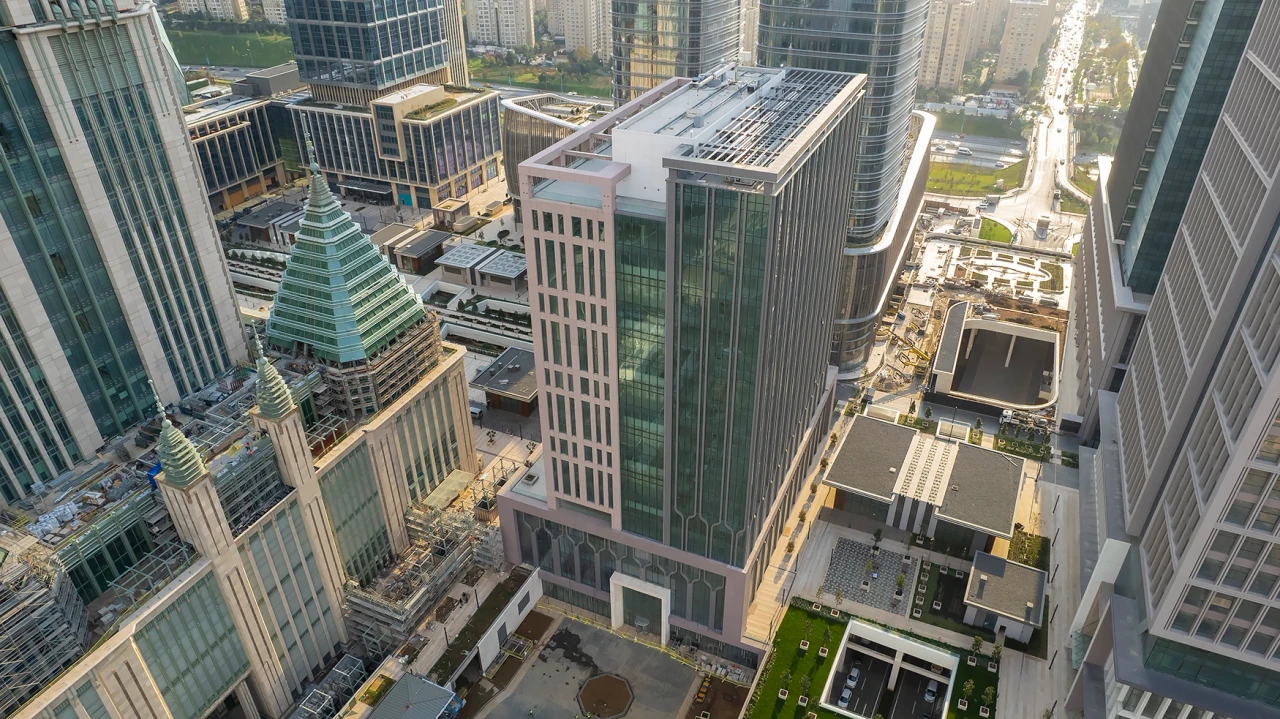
417, 147
239, 159
1005, 596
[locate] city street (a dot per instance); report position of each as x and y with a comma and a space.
1051, 147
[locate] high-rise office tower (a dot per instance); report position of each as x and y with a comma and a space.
508, 23
653, 41
881, 39
948, 37
1180, 615
113, 273
681, 253
352, 54
1193, 56
1026, 29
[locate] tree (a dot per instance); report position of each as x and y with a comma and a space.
1047, 714
820, 593
826, 635
870, 566
791, 546
786, 678
878, 535
582, 54
977, 644
996, 651
806, 681
989, 695
977, 423
839, 597
928, 412
510, 59
802, 516
902, 581
966, 690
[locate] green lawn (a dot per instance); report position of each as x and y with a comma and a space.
1072, 205
994, 232
962, 180
203, 47
527, 76
788, 660
1080, 178
949, 122
1055, 281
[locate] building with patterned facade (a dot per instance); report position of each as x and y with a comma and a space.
275, 506
650, 233
414, 147
1181, 613
229, 10
114, 276
233, 140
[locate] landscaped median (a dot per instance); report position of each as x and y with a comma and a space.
803, 672
964, 180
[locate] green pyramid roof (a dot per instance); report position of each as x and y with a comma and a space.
179, 459
339, 295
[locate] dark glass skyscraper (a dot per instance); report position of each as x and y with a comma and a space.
352, 52
882, 39
653, 41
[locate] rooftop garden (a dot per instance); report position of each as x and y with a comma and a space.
462, 644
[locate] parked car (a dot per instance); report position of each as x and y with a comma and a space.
963, 151
852, 680
931, 691
846, 696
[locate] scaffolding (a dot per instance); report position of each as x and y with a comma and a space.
443, 544
43, 623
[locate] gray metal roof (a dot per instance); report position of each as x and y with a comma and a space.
412, 698
511, 375
262, 217
423, 243
506, 264
949, 344
1007, 588
465, 256
872, 455
982, 490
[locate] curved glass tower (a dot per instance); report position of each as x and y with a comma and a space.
654, 41
882, 39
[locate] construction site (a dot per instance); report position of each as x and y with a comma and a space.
1000, 283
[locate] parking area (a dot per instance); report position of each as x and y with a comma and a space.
910, 703
872, 676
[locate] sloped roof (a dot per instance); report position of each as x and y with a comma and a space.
338, 296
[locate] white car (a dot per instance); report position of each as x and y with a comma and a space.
846, 696
852, 680
963, 151
1000, 165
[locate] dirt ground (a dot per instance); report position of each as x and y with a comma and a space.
605, 696
723, 701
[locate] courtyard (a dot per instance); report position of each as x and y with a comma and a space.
865, 575
575, 653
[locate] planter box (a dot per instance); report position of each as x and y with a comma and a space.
984, 711
959, 574
920, 600
803, 701
811, 715
804, 645
875, 551
915, 613
835, 613
993, 667
942, 570
928, 564
783, 694
972, 661
866, 586
937, 606
822, 652
924, 587
962, 704
817, 607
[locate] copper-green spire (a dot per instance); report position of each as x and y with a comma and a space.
274, 400
179, 458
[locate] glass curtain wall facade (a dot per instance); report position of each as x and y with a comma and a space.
654, 40
370, 44
355, 511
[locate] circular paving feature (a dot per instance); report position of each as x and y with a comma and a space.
605, 696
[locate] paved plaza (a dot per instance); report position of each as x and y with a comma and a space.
847, 570
577, 652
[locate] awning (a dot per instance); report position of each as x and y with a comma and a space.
355, 183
